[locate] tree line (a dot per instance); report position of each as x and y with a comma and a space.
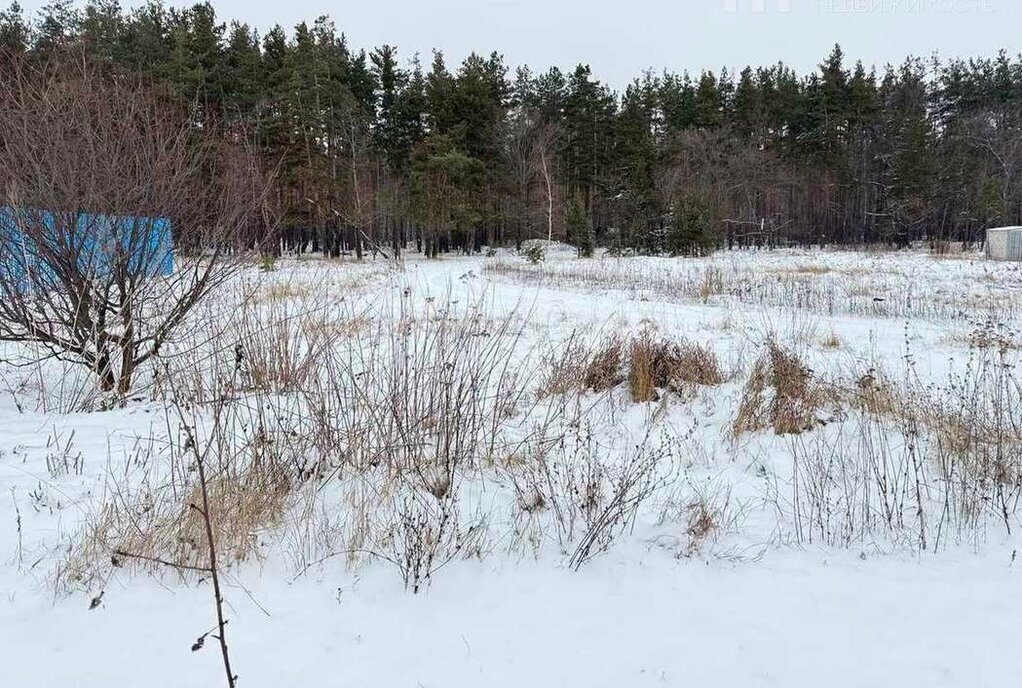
377, 152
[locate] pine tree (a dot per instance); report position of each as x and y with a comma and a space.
747, 106
636, 153
145, 41
390, 80
580, 229
479, 105
691, 231
101, 29
589, 111
834, 155
908, 134
14, 32
677, 102
550, 91
58, 26
439, 91
445, 186
830, 114
709, 103
243, 80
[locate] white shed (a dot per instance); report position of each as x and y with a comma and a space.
1004, 243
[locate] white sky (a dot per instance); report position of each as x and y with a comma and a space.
620, 39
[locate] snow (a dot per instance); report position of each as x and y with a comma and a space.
791, 619
748, 607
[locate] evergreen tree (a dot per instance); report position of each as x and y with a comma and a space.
550, 91
831, 118
439, 91
479, 105
747, 107
145, 40
390, 80
908, 132
636, 153
445, 186
243, 80
677, 102
366, 147
709, 103
14, 32
587, 143
580, 229
57, 27
102, 26
691, 232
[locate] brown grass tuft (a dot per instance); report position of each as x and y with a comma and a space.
663, 364
780, 393
602, 371
584, 367
642, 370
698, 365
876, 395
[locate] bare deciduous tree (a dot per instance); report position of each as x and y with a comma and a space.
529, 148
543, 152
93, 168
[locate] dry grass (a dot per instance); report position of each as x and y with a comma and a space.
603, 370
577, 489
242, 506
365, 435
283, 291
409, 405
706, 510
658, 364
698, 365
150, 521
883, 288
831, 341
647, 368
584, 367
781, 394
702, 522
993, 336
804, 270
653, 364
280, 347
876, 394
943, 248
711, 283
920, 463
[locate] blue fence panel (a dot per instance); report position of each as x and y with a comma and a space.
146, 242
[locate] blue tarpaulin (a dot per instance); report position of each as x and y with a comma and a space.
100, 242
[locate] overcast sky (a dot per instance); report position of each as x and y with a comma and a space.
621, 38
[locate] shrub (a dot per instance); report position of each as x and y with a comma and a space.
267, 262
534, 253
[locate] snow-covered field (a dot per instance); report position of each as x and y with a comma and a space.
471, 472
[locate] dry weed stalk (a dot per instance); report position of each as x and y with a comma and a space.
586, 491
781, 393
663, 364
204, 509
594, 367
818, 289
927, 463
